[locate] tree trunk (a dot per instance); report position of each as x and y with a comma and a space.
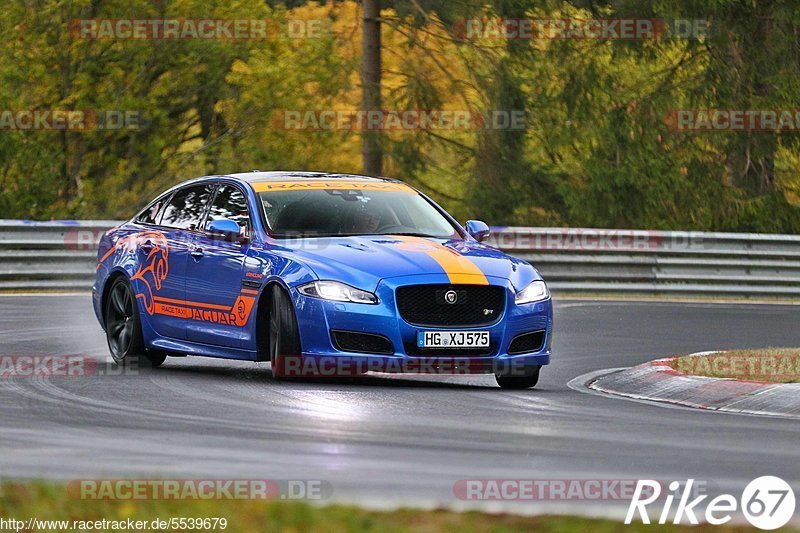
371, 150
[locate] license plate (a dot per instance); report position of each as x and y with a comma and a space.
453, 339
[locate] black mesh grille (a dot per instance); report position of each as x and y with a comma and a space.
427, 305
354, 341
527, 342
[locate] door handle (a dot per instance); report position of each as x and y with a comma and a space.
147, 246
197, 254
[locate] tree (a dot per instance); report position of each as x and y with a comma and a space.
371, 151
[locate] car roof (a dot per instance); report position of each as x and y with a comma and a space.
258, 176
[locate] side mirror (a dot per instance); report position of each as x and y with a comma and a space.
478, 229
224, 228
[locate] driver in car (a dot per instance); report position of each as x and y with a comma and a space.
366, 219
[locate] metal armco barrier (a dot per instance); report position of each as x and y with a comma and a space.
658, 262
58, 255
61, 255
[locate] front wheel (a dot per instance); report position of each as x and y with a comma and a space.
526, 381
124, 328
284, 337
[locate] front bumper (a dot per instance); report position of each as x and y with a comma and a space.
316, 318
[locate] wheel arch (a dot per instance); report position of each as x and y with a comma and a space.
262, 320
263, 310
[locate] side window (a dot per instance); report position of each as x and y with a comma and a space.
231, 203
187, 207
151, 212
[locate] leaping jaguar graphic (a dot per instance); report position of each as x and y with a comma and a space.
155, 267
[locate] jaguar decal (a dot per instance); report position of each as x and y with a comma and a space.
154, 270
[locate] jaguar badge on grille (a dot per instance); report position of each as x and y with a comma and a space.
451, 297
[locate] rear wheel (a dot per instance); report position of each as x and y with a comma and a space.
124, 328
526, 381
284, 336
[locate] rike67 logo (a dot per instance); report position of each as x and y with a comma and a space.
767, 503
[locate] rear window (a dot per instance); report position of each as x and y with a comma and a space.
152, 213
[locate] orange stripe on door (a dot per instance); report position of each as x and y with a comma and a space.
238, 315
458, 268
191, 304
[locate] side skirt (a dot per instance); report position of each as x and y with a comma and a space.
205, 350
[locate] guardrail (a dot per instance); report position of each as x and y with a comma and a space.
61, 255
58, 255
658, 262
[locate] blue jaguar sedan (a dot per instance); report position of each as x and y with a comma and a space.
320, 274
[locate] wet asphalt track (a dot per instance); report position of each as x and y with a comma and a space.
392, 440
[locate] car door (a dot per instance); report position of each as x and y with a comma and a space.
214, 274
170, 243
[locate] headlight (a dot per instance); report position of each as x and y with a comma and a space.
333, 290
535, 292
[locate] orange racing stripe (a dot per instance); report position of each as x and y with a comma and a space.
458, 268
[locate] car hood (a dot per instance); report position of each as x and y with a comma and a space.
364, 261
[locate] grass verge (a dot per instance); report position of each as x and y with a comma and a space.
49, 501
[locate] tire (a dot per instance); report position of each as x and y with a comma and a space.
527, 381
284, 336
124, 328
156, 358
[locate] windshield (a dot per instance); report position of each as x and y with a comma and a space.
332, 212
